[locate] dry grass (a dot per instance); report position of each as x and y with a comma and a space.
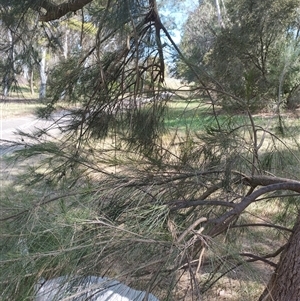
175, 84
244, 283
18, 107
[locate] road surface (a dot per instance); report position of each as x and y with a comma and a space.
9, 128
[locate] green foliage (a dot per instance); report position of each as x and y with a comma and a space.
199, 34
242, 58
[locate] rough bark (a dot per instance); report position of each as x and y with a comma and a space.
56, 11
284, 284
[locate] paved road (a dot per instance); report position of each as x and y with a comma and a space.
9, 129
10, 126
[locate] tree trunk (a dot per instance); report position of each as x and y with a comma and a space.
9, 75
31, 82
43, 74
220, 19
284, 284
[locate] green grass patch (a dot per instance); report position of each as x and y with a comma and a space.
197, 116
184, 114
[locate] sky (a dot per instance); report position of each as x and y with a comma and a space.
180, 15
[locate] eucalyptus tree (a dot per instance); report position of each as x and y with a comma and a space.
198, 37
21, 37
12, 44
246, 56
115, 194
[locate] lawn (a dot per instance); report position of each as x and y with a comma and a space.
197, 115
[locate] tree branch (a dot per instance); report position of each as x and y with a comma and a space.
177, 205
253, 258
262, 180
262, 225
222, 223
56, 11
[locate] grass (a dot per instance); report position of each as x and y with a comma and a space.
20, 102
244, 284
22, 91
197, 115
18, 108
248, 283
192, 115
175, 84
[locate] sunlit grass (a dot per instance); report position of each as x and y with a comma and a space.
20, 102
18, 108
182, 115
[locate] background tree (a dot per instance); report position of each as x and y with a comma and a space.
243, 57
